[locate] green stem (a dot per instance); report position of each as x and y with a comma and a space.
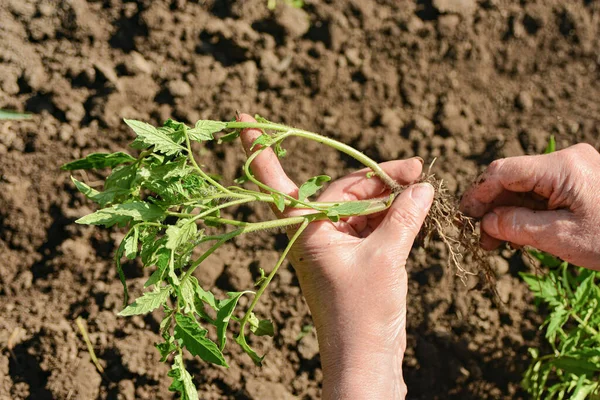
197, 167
249, 227
267, 188
344, 148
272, 274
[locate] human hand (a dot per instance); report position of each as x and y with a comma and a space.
550, 202
352, 274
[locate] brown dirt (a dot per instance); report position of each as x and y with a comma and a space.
466, 84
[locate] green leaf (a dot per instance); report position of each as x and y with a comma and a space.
241, 340
205, 130
582, 294
148, 302
557, 319
281, 152
312, 186
182, 380
161, 258
131, 244
98, 160
262, 327
149, 135
122, 177
226, 308
230, 137
575, 366
188, 294
181, 233
262, 140
262, 278
122, 213
279, 201
540, 286
545, 258
166, 348
5, 114
118, 255
193, 337
551, 148
207, 297
102, 198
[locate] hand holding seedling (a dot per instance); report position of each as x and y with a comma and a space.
546, 201
352, 274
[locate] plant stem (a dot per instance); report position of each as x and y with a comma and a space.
344, 148
197, 167
272, 274
248, 227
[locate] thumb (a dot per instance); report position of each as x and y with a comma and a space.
402, 223
526, 227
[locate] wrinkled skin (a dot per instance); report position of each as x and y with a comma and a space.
352, 274
550, 202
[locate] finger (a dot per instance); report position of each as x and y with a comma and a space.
358, 186
396, 233
545, 230
266, 167
517, 174
488, 242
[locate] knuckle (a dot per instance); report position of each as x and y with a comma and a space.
496, 166
584, 148
406, 216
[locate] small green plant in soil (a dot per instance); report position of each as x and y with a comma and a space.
171, 205
272, 4
7, 115
572, 298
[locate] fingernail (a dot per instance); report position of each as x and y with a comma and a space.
422, 194
489, 223
419, 159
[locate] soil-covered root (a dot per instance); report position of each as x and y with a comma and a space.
458, 232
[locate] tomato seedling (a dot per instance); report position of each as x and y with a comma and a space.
171, 205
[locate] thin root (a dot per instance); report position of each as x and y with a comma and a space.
457, 231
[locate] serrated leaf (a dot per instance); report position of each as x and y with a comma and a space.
226, 308
149, 135
122, 213
557, 319
163, 257
193, 337
98, 160
131, 244
540, 286
148, 302
188, 294
582, 295
102, 198
205, 130
122, 177
262, 140
279, 201
182, 380
181, 233
312, 186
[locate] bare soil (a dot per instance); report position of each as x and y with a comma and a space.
465, 81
